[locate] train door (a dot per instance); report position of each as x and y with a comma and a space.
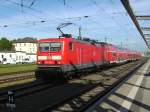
79, 55
104, 53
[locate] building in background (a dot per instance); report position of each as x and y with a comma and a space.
9, 57
23, 51
27, 45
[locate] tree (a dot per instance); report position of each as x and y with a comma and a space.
5, 44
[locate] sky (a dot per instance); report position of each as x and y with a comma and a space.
99, 19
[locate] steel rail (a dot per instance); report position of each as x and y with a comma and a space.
111, 88
71, 97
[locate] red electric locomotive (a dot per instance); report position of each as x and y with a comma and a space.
65, 56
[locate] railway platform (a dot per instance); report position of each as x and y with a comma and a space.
133, 95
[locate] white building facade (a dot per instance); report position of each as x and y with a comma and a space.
16, 57
24, 51
7, 56
27, 47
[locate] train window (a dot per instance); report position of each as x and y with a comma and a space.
55, 46
44, 46
71, 46
51, 46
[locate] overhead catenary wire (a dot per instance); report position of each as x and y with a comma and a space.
33, 9
56, 19
110, 15
126, 26
64, 2
32, 3
47, 20
23, 6
71, 18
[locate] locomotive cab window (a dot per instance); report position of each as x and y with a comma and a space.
44, 46
51, 46
55, 46
70, 45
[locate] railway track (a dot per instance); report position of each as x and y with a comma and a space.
81, 101
24, 90
16, 77
66, 97
9, 78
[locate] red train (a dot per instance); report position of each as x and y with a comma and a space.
67, 56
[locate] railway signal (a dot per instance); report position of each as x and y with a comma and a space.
11, 102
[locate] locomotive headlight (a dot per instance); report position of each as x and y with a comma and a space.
56, 57
42, 57
59, 62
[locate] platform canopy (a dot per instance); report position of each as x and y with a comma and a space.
140, 15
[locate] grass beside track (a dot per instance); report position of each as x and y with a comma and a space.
8, 69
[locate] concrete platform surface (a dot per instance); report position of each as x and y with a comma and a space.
131, 96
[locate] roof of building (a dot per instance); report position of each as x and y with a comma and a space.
25, 40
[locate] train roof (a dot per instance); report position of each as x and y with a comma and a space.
87, 41
84, 40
